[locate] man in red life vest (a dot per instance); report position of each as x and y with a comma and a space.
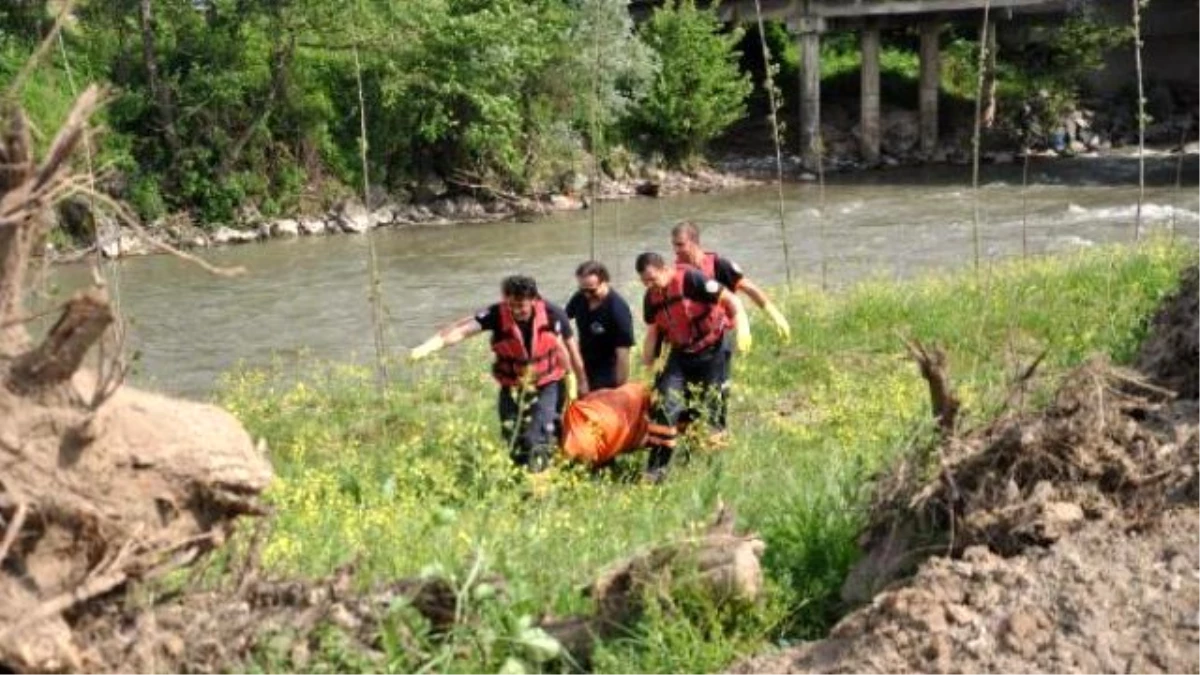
534, 349
685, 240
692, 314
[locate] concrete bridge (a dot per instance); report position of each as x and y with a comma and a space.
808, 19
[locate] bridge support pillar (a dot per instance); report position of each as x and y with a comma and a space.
929, 85
869, 116
808, 30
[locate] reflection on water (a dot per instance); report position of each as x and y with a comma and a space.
311, 294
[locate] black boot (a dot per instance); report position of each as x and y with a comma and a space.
656, 468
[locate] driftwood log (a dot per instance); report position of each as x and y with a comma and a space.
721, 564
99, 485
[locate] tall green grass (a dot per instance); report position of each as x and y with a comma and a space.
46, 95
416, 480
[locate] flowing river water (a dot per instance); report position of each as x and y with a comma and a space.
309, 295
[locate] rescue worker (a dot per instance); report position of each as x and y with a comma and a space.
604, 324
692, 313
534, 349
685, 240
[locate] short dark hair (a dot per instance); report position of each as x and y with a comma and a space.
688, 229
519, 286
592, 268
649, 259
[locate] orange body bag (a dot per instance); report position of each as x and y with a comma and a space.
606, 423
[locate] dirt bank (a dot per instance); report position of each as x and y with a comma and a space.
1103, 600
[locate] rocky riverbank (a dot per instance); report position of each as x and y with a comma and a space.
434, 205
1078, 133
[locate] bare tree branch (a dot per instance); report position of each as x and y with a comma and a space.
944, 403
61, 353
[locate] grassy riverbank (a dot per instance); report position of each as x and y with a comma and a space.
416, 479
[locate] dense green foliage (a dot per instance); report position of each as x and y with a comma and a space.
699, 90
223, 105
416, 479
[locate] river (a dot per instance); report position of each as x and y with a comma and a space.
309, 295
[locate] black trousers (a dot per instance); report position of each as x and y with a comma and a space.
719, 408
687, 382
602, 378
529, 423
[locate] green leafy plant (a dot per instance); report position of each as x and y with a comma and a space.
699, 90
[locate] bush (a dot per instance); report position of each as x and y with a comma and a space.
146, 198
699, 90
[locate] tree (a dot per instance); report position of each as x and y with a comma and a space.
216, 107
22, 20
608, 61
699, 90
466, 91
222, 105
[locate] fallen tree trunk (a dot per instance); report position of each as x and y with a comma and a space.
721, 565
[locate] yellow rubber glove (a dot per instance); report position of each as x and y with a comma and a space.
742, 326
781, 324
572, 386
426, 348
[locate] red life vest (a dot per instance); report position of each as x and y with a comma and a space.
688, 325
514, 361
708, 264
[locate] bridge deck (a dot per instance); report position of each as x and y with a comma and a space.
840, 10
